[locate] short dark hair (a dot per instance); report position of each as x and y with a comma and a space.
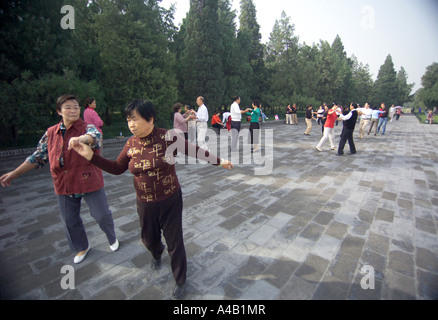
256, 102
144, 108
63, 99
176, 107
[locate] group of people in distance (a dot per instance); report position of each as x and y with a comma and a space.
194, 123
328, 117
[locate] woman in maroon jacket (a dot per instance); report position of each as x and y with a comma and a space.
73, 177
149, 157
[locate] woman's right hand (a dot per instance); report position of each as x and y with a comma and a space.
5, 180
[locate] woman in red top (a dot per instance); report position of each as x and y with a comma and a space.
216, 121
148, 155
329, 128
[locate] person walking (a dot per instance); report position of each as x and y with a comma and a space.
324, 117
329, 128
391, 112
398, 113
349, 123
74, 178
201, 122
309, 117
320, 113
148, 156
375, 114
236, 118
365, 118
294, 114
383, 119
289, 115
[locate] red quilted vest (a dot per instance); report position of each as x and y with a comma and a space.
77, 175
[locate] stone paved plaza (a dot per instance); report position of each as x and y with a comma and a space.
317, 226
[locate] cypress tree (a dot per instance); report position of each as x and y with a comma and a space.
202, 70
385, 87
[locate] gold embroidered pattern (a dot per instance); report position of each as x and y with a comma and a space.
148, 192
155, 173
133, 151
156, 149
143, 164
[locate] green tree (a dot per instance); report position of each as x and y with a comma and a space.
31, 38
281, 61
234, 65
327, 73
342, 82
35, 53
404, 89
34, 101
385, 88
134, 52
249, 39
427, 96
202, 63
362, 82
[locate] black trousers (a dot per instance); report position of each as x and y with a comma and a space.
254, 136
165, 216
346, 135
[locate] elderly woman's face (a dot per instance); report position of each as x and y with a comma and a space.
139, 126
70, 111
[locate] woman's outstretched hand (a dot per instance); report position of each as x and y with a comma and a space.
227, 165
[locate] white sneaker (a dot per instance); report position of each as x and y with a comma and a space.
114, 246
79, 259
319, 149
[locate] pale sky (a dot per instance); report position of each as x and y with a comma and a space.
369, 29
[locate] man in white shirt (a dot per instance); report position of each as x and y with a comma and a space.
201, 123
365, 118
236, 118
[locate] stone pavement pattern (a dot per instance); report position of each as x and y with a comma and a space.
302, 232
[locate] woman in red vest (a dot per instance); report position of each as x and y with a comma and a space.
73, 177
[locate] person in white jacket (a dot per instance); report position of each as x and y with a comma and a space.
201, 123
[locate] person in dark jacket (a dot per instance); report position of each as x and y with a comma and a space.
348, 129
